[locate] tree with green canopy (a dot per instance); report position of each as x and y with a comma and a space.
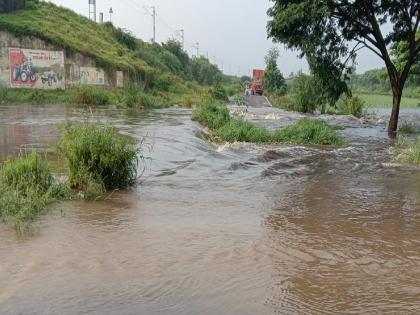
331, 32
273, 78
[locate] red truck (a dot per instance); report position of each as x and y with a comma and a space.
257, 86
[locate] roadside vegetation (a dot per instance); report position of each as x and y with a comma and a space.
224, 128
160, 75
27, 188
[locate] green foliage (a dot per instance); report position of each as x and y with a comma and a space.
307, 96
282, 102
218, 92
273, 79
385, 101
216, 117
155, 67
409, 151
309, 131
325, 32
407, 128
98, 158
90, 95
352, 106
27, 187
204, 72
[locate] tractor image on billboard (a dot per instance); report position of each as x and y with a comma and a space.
25, 72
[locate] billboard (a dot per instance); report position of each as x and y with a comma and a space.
92, 76
36, 69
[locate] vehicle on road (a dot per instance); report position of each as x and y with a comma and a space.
257, 86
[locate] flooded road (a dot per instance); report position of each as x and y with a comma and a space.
234, 229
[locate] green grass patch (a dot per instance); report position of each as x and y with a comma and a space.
27, 188
409, 150
91, 95
407, 128
385, 101
99, 159
224, 128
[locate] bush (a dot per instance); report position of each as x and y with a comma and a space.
27, 187
306, 94
98, 158
218, 92
308, 131
224, 128
410, 151
407, 128
90, 95
354, 106
211, 114
282, 102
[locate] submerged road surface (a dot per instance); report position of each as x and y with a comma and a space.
230, 229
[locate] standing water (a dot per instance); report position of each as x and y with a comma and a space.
235, 229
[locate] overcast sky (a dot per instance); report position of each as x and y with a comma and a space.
233, 32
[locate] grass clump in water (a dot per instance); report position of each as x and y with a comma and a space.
27, 187
99, 159
409, 151
223, 127
407, 128
309, 131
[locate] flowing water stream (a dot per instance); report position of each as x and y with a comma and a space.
234, 229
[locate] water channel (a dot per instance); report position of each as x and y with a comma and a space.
229, 229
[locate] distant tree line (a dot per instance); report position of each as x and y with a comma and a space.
170, 56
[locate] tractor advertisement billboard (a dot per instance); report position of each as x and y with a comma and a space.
36, 69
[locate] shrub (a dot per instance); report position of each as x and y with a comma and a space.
308, 131
306, 94
282, 102
218, 92
224, 128
211, 114
98, 158
410, 151
354, 106
407, 128
27, 187
90, 95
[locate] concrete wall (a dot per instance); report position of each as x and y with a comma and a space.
72, 62
11, 5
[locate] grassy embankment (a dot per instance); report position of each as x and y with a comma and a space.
385, 101
98, 159
224, 128
154, 82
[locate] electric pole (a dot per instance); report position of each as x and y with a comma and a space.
110, 14
92, 10
153, 15
181, 33
197, 46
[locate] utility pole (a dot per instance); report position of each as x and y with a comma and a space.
92, 10
110, 14
153, 15
197, 46
182, 34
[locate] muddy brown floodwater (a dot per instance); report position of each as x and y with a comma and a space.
235, 229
